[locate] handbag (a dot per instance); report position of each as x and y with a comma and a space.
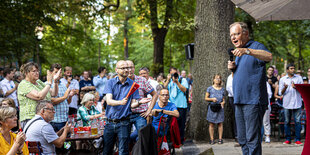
215, 107
162, 144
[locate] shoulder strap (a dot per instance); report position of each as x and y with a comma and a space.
31, 124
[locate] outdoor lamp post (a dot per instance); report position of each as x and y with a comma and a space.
39, 36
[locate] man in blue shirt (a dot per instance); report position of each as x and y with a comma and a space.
177, 89
249, 87
86, 84
118, 109
163, 108
100, 80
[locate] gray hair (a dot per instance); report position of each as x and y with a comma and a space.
6, 112
17, 74
243, 26
87, 97
41, 104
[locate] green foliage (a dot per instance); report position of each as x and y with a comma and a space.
283, 38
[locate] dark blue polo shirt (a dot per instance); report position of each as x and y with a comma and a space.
249, 82
119, 92
84, 83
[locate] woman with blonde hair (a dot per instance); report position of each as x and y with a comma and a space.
11, 143
215, 95
87, 111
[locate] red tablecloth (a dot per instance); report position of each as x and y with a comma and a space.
304, 90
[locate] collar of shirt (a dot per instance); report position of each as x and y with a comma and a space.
248, 43
287, 77
118, 80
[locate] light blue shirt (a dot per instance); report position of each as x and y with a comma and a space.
176, 95
100, 83
291, 97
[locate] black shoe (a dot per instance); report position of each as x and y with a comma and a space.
212, 142
220, 141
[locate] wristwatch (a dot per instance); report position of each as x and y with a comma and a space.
247, 51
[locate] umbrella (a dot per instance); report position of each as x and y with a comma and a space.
274, 10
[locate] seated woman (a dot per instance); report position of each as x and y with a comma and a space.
87, 111
163, 108
8, 102
10, 143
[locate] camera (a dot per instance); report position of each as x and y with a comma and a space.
175, 75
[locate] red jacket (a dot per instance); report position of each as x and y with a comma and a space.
175, 133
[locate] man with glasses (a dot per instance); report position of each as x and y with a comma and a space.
118, 109
140, 113
291, 103
39, 129
163, 108
249, 86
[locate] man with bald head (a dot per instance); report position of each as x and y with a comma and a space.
118, 109
143, 110
249, 87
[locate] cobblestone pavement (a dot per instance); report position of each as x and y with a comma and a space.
231, 148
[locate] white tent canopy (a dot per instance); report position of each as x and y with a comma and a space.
267, 10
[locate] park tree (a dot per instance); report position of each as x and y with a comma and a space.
212, 20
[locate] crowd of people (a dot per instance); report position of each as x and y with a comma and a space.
32, 107
48, 103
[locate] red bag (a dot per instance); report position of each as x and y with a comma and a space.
162, 144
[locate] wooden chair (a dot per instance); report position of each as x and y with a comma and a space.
34, 147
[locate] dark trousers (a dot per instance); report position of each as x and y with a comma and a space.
58, 126
122, 131
249, 118
181, 122
72, 111
232, 105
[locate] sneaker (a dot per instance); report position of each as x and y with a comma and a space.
212, 142
287, 142
220, 141
267, 139
298, 143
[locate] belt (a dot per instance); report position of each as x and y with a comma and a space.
119, 120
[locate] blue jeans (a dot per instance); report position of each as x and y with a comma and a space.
181, 122
58, 126
122, 131
287, 127
249, 120
139, 122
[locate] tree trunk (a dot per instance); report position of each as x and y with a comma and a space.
159, 45
159, 34
212, 40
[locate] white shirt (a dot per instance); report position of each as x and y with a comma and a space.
154, 84
229, 87
73, 85
7, 85
291, 97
